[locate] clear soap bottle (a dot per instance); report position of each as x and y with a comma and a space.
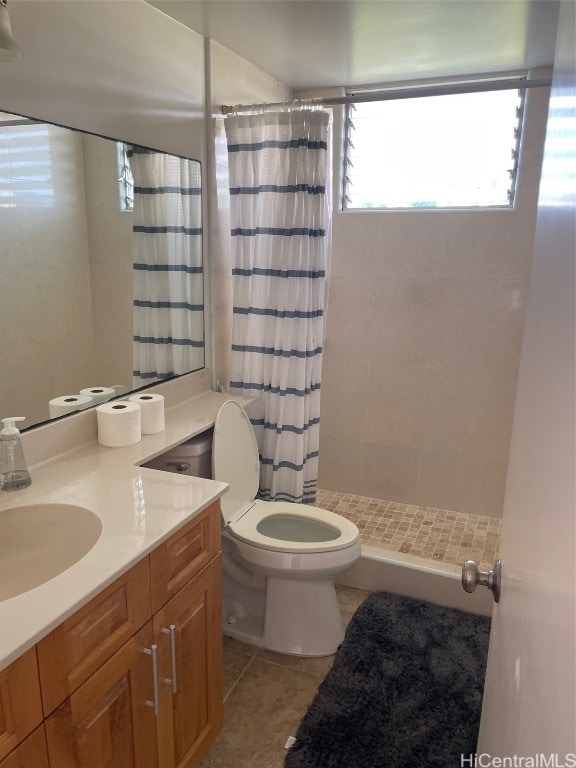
14, 473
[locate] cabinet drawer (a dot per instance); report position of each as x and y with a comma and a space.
32, 753
74, 650
184, 555
20, 703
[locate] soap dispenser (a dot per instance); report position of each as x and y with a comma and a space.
13, 470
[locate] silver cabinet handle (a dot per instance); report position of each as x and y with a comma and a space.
155, 703
473, 577
173, 681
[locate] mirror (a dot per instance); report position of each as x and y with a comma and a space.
96, 292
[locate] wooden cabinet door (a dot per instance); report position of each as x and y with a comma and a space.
20, 704
107, 723
191, 717
30, 754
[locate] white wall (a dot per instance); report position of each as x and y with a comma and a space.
424, 327
46, 337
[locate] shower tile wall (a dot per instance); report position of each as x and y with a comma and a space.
424, 329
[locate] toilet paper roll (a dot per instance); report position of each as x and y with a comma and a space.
99, 394
119, 424
58, 406
152, 406
119, 389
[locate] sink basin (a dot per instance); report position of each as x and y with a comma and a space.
39, 541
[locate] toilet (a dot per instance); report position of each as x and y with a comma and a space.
279, 559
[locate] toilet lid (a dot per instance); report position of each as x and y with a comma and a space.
235, 460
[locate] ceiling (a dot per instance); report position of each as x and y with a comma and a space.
320, 43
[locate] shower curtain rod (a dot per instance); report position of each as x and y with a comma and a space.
396, 93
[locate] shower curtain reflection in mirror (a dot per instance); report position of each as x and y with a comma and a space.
167, 266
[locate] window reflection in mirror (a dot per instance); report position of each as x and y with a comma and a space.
92, 295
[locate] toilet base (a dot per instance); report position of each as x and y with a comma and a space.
297, 617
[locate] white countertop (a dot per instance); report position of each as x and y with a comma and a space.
139, 508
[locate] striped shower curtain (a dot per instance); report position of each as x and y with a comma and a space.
168, 313
280, 217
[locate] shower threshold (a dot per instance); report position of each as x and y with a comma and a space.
417, 551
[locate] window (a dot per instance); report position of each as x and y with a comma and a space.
125, 179
25, 163
458, 150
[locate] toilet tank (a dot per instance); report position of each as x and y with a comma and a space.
194, 457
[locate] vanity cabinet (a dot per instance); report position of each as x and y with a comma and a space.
111, 721
134, 678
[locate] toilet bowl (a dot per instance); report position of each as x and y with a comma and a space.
278, 559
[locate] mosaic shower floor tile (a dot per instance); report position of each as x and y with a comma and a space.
435, 534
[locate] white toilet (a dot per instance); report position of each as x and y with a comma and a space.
278, 559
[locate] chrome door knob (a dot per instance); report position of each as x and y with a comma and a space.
473, 577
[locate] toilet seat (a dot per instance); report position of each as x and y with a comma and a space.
266, 524
342, 532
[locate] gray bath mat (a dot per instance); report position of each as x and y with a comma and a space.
405, 690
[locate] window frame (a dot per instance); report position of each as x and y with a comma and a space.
125, 178
420, 89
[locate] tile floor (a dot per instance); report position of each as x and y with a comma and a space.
265, 696
436, 534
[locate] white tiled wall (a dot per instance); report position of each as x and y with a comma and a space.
424, 330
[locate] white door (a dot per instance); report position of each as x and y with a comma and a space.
529, 701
